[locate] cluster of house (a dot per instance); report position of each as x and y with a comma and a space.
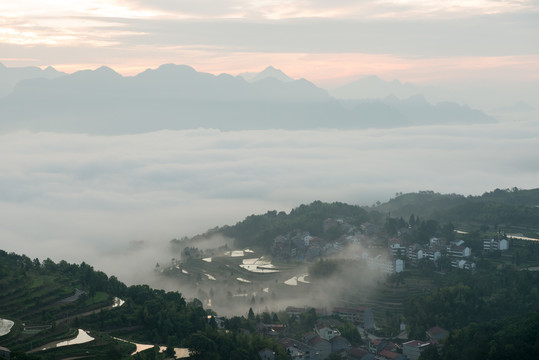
316, 344
456, 250
361, 315
380, 349
325, 339
299, 245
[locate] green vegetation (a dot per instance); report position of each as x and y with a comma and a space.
464, 298
39, 298
511, 338
427, 212
490, 312
258, 231
213, 344
325, 268
421, 297
509, 209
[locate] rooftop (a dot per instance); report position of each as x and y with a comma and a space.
417, 343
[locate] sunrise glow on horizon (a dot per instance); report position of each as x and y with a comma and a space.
327, 43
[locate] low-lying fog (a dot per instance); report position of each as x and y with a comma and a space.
116, 201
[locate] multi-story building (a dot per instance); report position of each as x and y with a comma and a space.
459, 251
387, 265
493, 245
362, 315
415, 253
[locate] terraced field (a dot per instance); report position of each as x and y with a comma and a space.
387, 300
33, 301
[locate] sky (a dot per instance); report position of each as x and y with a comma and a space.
329, 43
116, 201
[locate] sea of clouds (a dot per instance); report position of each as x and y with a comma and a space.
116, 201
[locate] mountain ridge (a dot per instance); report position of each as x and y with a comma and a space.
178, 97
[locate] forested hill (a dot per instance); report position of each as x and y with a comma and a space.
260, 230
48, 302
509, 207
513, 209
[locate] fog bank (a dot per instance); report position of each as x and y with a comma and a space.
116, 201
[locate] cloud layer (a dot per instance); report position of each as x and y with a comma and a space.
304, 38
116, 201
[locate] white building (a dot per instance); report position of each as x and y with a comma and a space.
413, 349
493, 245
459, 251
385, 265
327, 333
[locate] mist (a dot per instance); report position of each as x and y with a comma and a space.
338, 280
115, 202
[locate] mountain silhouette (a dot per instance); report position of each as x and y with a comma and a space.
10, 77
179, 97
372, 87
269, 72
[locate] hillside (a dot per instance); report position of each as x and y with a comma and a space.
426, 294
255, 238
49, 304
509, 210
46, 302
258, 231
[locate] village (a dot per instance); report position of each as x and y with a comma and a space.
388, 258
325, 341
365, 243
386, 254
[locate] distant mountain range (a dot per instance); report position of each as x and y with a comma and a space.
178, 97
372, 87
10, 77
269, 72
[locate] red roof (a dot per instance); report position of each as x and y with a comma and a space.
417, 343
389, 354
358, 353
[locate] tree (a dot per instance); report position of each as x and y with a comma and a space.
334, 356
170, 352
266, 317
351, 333
201, 347
412, 220
430, 353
